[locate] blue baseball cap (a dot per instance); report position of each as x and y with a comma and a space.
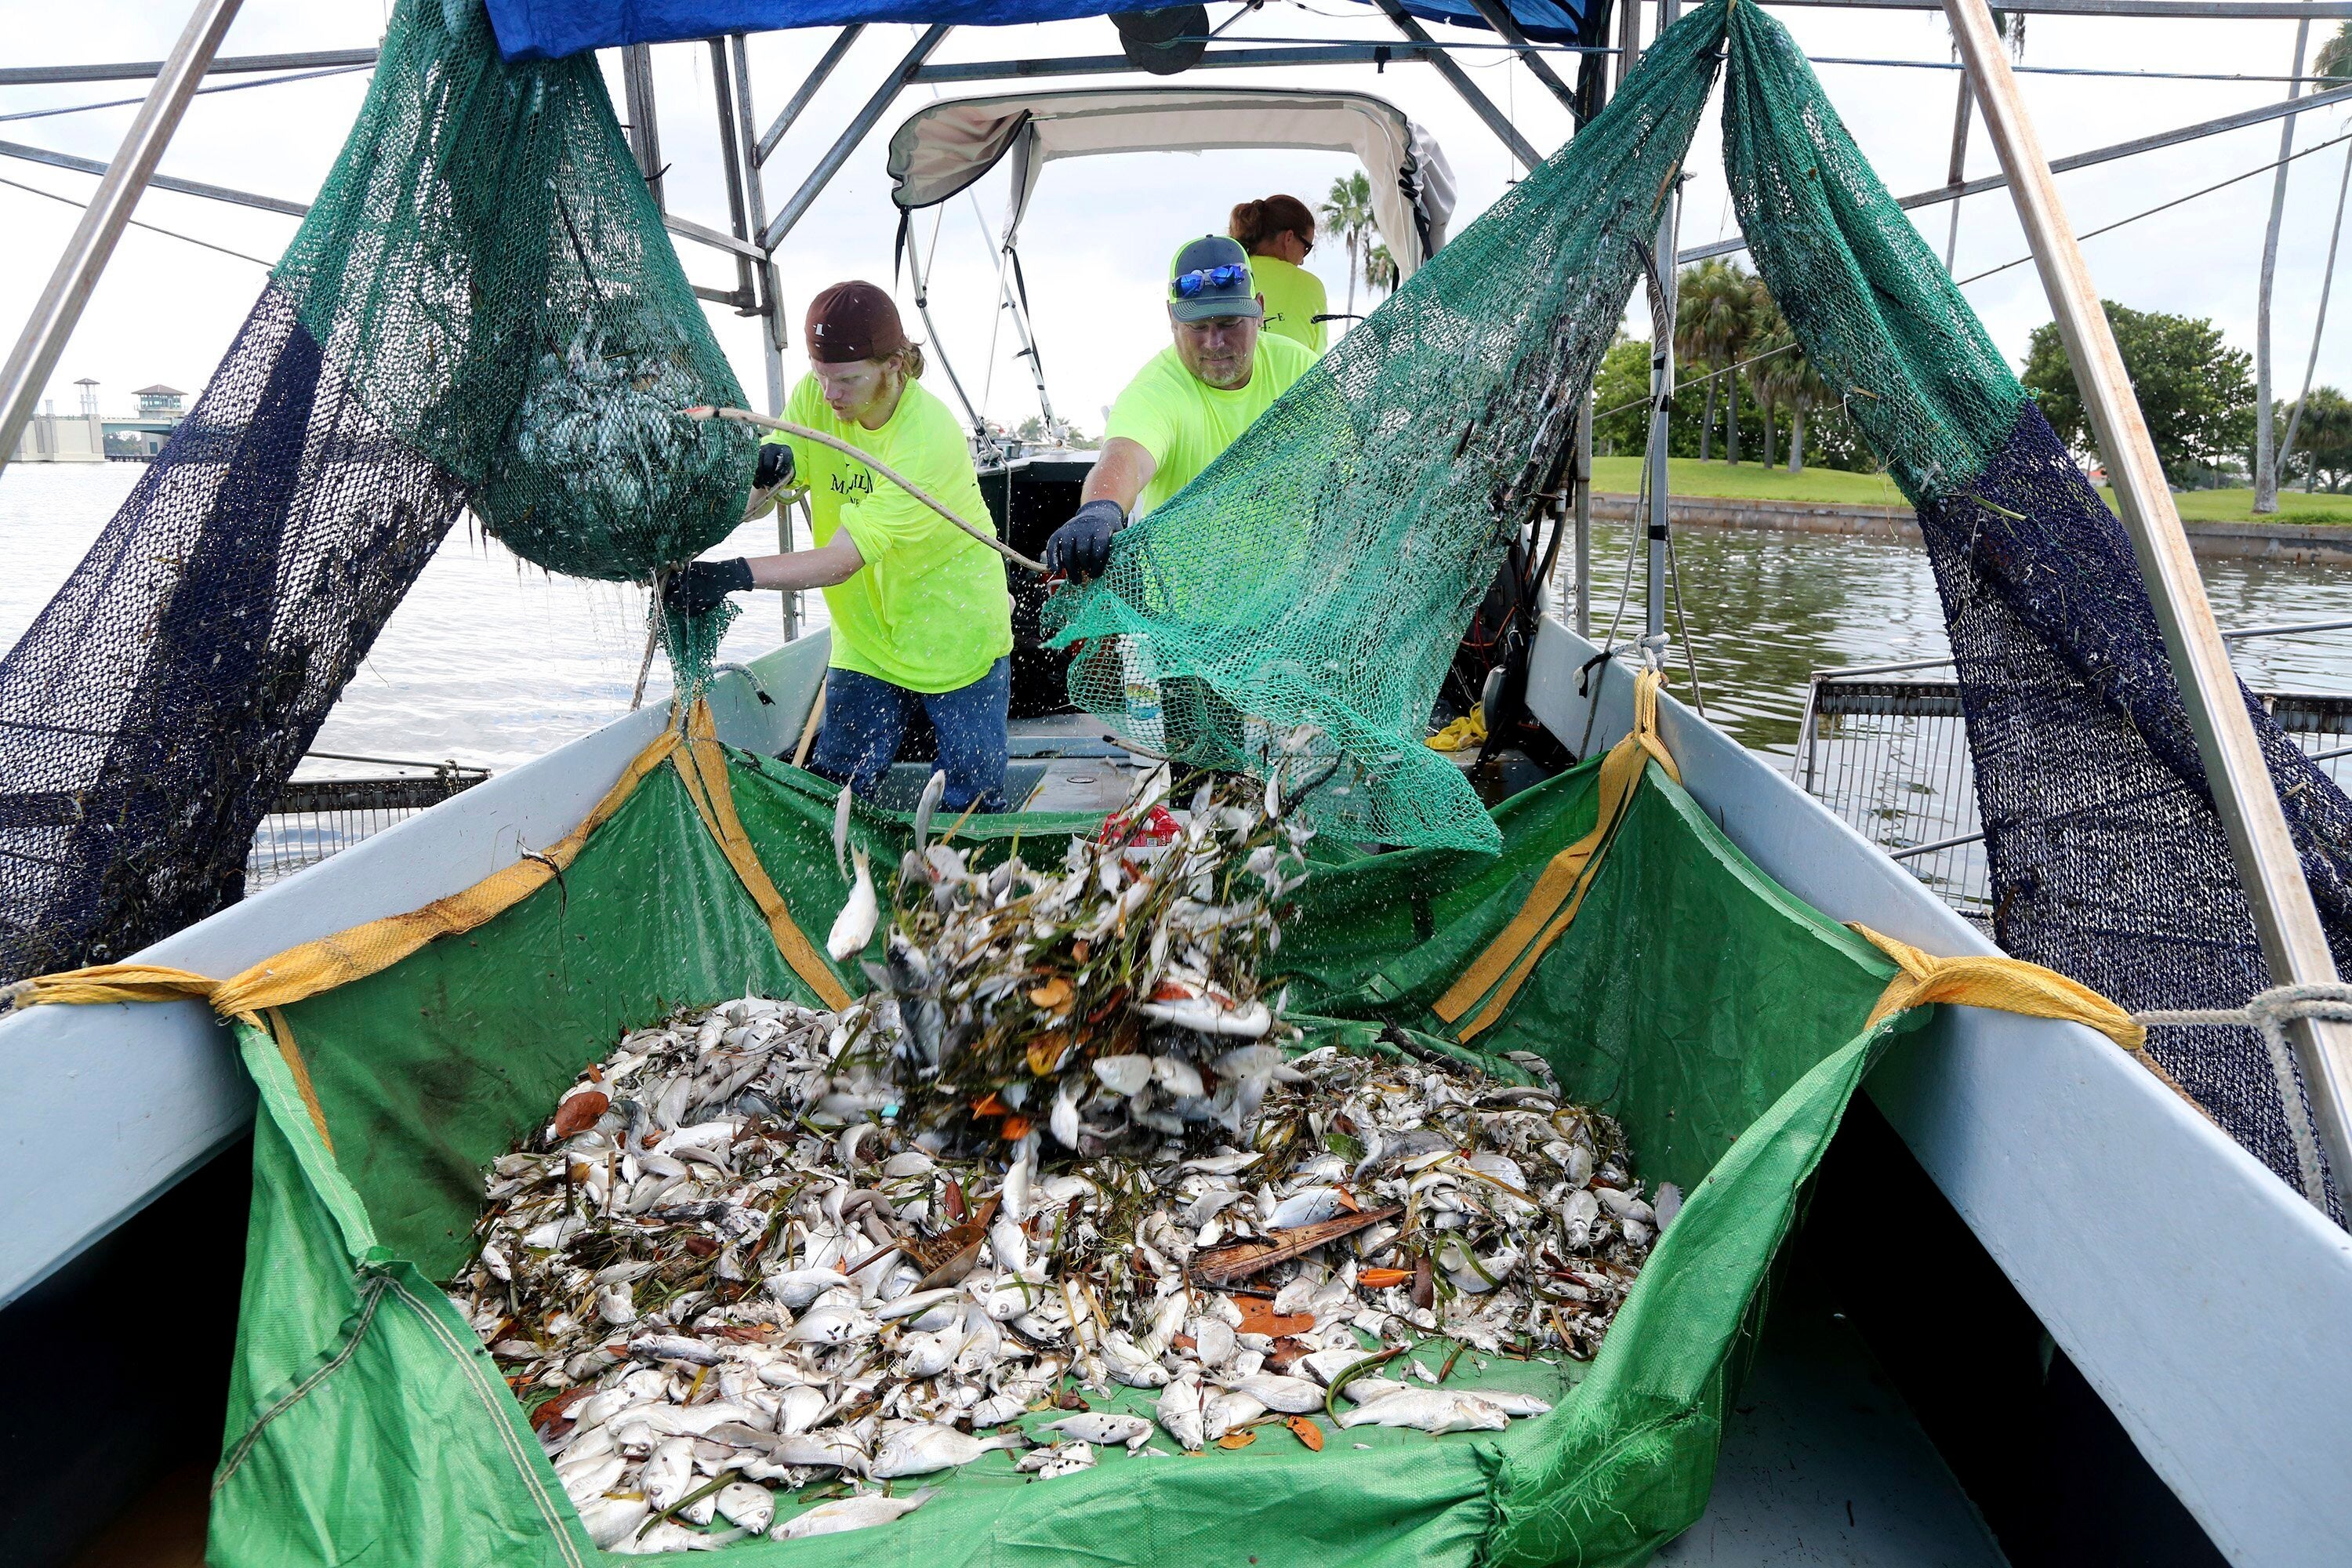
1211, 277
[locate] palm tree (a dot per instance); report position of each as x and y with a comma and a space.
1760, 382
1713, 306
1380, 268
1770, 345
2265, 451
1790, 382
1348, 213
2335, 59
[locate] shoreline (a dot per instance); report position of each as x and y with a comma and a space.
2291, 543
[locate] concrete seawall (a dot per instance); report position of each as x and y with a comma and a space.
2299, 544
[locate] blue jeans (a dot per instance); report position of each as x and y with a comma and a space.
865, 720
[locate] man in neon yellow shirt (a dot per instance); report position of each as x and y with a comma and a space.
1189, 404
920, 613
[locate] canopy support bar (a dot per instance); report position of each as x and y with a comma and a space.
222, 65
644, 128
2293, 941
685, 229
36, 353
833, 55
852, 134
1459, 80
771, 341
731, 153
2073, 161
229, 193
1959, 175
1664, 310
1215, 59
1498, 17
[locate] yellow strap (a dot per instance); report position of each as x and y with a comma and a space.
313, 967
703, 765
2009, 984
1552, 903
282, 1034
114, 982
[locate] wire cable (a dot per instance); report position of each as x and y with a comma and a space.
2019, 261
224, 87
1690, 654
156, 228
2166, 206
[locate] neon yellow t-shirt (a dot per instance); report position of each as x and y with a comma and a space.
929, 611
1294, 297
1184, 423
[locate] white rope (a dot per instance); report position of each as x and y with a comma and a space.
2269, 1012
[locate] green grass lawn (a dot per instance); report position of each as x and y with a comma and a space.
1747, 482
2237, 506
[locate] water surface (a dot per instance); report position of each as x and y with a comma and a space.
492, 661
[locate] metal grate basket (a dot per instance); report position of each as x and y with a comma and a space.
312, 819
1889, 753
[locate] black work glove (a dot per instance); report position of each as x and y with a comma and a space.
701, 586
1081, 546
775, 466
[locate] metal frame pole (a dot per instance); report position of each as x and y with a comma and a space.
771, 308
833, 56
1662, 359
219, 65
1498, 17
35, 357
1037, 70
2293, 941
1583, 507
920, 276
773, 338
1960, 172
210, 192
1581, 497
852, 134
2266, 463
1459, 80
645, 129
732, 154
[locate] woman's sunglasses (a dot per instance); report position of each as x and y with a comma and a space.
1191, 285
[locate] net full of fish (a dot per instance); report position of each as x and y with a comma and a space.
760, 1247
599, 421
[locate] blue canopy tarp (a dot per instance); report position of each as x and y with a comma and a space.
550, 29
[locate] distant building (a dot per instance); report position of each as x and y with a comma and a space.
160, 402
139, 438
53, 437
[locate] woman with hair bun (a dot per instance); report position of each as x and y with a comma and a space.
1279, 232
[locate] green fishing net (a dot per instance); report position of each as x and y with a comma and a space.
1320, 573
488, 254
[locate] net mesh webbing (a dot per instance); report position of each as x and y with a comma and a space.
2108, 861
1321, 571
481, 309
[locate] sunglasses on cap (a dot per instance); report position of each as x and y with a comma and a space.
1193, 284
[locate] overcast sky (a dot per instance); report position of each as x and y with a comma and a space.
1096, 242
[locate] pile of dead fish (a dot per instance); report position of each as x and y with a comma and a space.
735, 1263
1114, 999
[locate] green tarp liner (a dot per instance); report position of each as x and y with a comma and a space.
1718, 1017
